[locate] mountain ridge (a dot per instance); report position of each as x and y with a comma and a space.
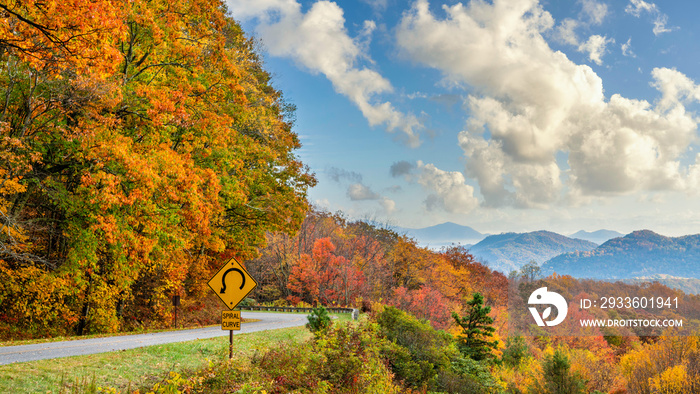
510, 251
443, 233
641, 253
599, 236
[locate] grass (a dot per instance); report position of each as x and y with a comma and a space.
137, 368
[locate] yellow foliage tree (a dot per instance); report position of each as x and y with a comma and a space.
141, 145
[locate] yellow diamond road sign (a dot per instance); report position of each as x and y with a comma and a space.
232, 283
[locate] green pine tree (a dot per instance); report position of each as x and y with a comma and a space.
557, 377
319, 320
474, 341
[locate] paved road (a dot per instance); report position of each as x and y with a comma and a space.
23, 353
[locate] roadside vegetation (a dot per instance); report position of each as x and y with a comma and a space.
140, 369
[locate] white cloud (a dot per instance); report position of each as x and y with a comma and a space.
626, 51
362, 192
629, 147
676, 88
449, 191
638, 7
323, 203
359, 192
365, 36
595, 11
529, 104
504, 181
566, 32
388, 205
660, 25
319, 42
595, 47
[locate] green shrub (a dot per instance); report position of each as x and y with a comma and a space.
516, 350
248, 302
475, 377
353, 359
343, 359
420, 351
557, 377
319, 320
426, 359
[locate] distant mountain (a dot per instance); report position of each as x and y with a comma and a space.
639, 254
510, 251
598, 237
443, 234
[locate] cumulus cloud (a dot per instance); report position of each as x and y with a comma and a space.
638, 7
529, 105
595, 47
319, 42
359, 192
676, 88
448, 189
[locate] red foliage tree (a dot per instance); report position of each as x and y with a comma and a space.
324, 276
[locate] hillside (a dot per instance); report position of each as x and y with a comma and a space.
599, 237
510, 251
639, 254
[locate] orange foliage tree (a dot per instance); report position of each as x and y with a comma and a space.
141, 144
324, 276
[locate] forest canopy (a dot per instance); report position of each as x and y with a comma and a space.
141, 143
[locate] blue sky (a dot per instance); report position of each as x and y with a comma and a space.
504, 115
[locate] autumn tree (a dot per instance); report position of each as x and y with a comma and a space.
473, 276
324, 276
426, 303
141, 145
670, 365
274, 265
407, 262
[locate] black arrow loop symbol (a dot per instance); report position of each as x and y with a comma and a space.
223, 279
